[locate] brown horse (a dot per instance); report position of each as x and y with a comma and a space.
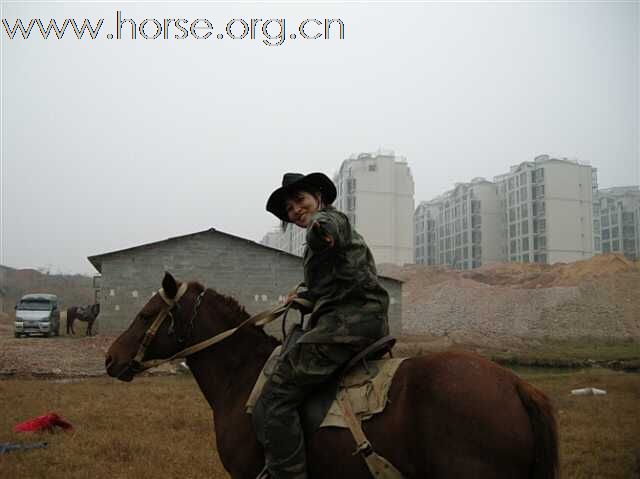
87, 314
450, 415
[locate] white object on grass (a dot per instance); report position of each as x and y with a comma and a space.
588, 392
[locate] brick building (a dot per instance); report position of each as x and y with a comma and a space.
256, 275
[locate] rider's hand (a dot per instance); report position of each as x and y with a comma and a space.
290, 297
326, 237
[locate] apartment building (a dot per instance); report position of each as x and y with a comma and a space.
376, 190
548, 210
291, 240
460, 228
617, 221
540, 211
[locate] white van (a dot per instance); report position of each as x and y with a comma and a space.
37, 314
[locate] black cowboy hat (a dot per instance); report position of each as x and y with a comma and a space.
312, 182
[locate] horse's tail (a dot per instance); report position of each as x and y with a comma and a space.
545, 431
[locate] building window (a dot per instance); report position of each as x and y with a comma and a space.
606, 247
512, 229
615, 245
596, 243
524, 227
605, 221
351, 186
373, 167
524, 210
525, 244
539, 242
614, 232
542, 225
605, 234
538, 208
351, 203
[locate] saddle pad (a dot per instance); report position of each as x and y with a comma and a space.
368, 390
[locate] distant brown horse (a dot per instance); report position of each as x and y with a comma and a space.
450, 415
88, 314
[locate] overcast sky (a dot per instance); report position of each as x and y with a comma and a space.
112, 143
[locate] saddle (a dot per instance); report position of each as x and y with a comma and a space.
358, 392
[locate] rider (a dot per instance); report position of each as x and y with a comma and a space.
349, 313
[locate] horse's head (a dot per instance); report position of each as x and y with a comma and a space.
160, 330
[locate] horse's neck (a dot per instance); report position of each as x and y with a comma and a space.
227, 371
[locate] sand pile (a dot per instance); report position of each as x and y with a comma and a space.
599, 297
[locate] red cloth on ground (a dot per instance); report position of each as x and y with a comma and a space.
48, 422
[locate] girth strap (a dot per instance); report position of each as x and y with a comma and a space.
377, 465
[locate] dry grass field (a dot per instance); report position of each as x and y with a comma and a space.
162, 427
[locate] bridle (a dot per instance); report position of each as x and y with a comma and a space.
137, 365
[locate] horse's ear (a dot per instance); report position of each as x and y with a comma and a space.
169, 285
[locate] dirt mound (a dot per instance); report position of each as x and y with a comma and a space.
592, 298
527, 275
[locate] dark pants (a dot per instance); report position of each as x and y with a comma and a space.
296, 373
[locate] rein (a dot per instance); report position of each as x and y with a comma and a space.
261, 319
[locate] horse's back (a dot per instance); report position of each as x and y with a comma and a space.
451, 414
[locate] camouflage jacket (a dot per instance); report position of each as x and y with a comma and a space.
350, 304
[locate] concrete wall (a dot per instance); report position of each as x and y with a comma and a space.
256, 276
491, 221
569, 211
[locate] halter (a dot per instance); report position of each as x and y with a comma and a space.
136, 365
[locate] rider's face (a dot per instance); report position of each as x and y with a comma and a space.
300, 208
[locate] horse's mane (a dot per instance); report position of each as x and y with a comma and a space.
232, 304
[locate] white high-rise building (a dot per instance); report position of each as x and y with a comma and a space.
460, 228
291, 240
376, 190
540, 211
548, 210
617, 221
